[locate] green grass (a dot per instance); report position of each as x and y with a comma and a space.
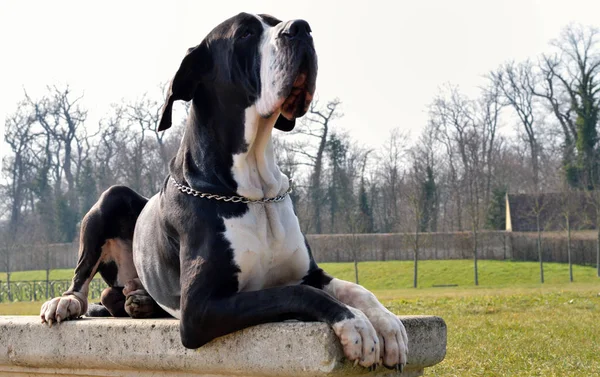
399, 274
511, 325
21, 308
62, 274
550, 331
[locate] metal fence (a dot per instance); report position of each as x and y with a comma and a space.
38, 290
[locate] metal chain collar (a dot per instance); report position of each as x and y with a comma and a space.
233, 199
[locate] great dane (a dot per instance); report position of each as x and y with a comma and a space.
220, 247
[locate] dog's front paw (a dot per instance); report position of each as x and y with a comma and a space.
392, 336
58, 309
358, 338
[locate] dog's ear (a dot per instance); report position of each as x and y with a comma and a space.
184, 83
284, 124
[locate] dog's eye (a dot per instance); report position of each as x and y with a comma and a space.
246, 34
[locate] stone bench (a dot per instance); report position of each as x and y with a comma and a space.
144, 348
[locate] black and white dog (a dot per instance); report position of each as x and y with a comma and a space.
220, 247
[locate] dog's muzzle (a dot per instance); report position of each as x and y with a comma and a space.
300, 88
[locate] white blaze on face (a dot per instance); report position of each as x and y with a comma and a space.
272, 75
255, 170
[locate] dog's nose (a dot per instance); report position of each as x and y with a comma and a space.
297, 29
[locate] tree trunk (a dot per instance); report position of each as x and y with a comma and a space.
597, 247
475, 267
47, 283
539, 247
17, 195
534, 163
458, 210
8, 284
416, 256
71, 194
569, 249
316, 182
163, 154
47, 271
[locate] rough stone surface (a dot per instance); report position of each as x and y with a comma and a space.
144, 348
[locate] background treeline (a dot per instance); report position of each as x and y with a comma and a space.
532, 127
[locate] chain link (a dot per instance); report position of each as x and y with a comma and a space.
232, 199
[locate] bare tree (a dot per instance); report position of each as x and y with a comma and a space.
487, 117
540, 205
62, 138
592, 198
145, 112
467, 129
392, 164
69, 119
316, 124
451, 165
19, 136
106, 148
413, 191
420, 191
515, 82
567, 199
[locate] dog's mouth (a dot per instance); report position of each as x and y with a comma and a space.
301, 93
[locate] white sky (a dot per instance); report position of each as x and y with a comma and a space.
385, 60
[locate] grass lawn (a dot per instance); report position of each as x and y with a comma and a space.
63, 274
509, 326
524, 331
399, 274
21, 308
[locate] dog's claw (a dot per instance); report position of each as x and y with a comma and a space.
50, 323
58, 319
355, 363
401, 368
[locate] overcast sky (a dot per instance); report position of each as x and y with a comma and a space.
384, 60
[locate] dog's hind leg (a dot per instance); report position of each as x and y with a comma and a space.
112, 304
105, 247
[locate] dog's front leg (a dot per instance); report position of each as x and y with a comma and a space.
391, 331
74, 302
204, 319
211, 307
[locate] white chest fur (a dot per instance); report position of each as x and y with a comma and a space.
267, 243
268, 246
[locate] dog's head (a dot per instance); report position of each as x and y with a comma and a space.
249, 60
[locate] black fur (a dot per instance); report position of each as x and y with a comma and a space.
113, 217
187, 262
